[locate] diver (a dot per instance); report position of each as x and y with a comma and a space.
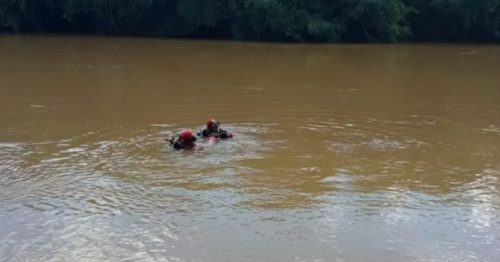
214, 130
185, 140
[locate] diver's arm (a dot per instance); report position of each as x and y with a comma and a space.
178, 145
172, 139
205, 133
225, 134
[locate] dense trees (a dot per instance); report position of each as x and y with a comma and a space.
262, 20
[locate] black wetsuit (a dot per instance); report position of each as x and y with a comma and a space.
178, 143
221, 133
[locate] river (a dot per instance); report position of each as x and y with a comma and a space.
342, 152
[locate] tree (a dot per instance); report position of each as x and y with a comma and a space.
377, 20
263, 20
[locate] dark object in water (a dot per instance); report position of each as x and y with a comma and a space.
214, 130
185, 140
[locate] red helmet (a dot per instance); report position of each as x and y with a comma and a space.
211, 123
187, 135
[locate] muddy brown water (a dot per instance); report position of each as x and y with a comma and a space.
342, 152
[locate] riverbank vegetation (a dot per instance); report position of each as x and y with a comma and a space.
262, 20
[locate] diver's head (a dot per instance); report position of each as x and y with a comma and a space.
212, 124
188, 137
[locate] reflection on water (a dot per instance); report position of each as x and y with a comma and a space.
342, 152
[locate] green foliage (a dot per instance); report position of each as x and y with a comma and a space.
376, 20
11, 13
380, 20
457, 20
262, 20
282, 20
20, 15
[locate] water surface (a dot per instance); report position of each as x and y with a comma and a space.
342, 152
